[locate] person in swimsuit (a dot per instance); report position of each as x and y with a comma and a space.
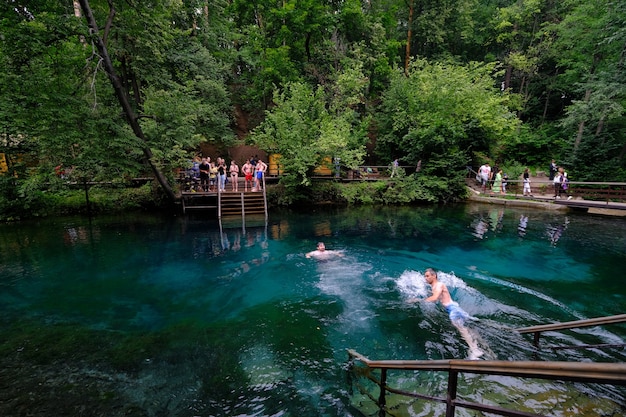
260, 168
457, 315
247, 169
234, 175
322, 254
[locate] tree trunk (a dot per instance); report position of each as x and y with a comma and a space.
507, 77
407, 54
581, 125
123, 99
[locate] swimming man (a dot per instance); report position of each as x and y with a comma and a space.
322, 254
455, 312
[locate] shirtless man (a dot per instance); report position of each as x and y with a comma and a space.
455, 312
247, 170
323, 254
259, 168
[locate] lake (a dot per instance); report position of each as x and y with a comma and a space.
160, 315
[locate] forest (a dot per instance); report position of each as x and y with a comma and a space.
111, 90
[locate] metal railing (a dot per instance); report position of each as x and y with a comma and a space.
599, 321
599, 373
587, 190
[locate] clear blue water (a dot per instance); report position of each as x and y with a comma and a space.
193, 319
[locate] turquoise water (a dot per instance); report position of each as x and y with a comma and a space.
186, 318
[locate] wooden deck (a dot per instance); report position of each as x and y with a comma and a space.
587, 204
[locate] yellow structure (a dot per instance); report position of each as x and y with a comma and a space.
3, 163
325, 168
274, 166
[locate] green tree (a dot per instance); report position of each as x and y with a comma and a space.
442, 113
47, 111
172, 87
590, 52
306, 134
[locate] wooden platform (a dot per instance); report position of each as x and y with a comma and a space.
587, 204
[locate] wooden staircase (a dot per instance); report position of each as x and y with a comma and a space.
242, 204
227, 203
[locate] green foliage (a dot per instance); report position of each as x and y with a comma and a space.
33, 199
442, 114
442, 109
410, 189
325, 74
306, 134
325, 191
366, 192
533, 147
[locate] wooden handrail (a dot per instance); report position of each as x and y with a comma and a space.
575, 371
598, 321
537, 330
600, 373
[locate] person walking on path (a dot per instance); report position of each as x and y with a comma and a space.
484, 173
564, 184
553, 169
394, 167
557, 184
457, 315
497, 183
527, 191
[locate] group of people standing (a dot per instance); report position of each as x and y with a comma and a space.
213, 174
493, 178
558, 176
497, 181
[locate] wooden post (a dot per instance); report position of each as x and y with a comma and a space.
264, 198
219, 201
243, 208
453, 377
382, 401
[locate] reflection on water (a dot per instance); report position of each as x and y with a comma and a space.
191, 317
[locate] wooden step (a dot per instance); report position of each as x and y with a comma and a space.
200, 207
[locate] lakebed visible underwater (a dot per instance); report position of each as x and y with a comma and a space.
149, 315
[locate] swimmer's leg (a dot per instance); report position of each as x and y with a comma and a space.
474, 351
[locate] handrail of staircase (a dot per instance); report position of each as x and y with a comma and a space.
598, 321
264, 197
600, 373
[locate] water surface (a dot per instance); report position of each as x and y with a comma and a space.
178, 316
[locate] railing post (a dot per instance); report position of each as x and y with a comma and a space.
264, 198
382, 401
453, 377
219, 202
243, 207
